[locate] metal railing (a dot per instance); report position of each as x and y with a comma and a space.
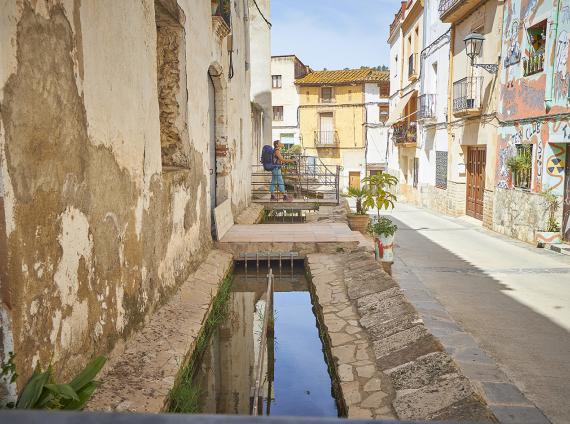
405, 132
446, 5
326, 139
426, 106
308, 180
467, 94
412, 65
533, 64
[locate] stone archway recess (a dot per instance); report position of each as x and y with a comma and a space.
223, 154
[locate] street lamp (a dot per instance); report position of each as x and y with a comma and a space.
473, 47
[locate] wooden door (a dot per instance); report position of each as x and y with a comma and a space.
566, 207
475, 166
354, 179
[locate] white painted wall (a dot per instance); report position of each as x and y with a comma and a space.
376, 132
286, 96
432, 137
259, 61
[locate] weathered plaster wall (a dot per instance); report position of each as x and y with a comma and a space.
97, 233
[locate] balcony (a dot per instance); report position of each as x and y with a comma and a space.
404, 133
533, 64
324, 139
413, 67
221, 18
467, 96
426, 107
451, 11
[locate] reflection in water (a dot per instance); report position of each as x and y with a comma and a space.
296, 376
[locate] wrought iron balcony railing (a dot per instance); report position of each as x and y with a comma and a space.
326, 139
404, 132
452, 11
426, 106
445, 5
467, 94
533, 64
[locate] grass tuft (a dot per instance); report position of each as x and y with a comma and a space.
185, 396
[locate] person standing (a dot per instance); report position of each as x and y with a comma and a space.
276, 173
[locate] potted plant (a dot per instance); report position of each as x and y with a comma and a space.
378, 195
520, 165
383, 231
552, 233
358, 221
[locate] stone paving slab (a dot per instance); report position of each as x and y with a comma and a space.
389, 365
508, 403
138, 379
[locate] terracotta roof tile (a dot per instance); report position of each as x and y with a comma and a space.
347, 76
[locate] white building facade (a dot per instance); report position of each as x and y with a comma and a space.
285, 95
376, 103
432, 141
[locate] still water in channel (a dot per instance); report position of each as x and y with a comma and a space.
296, 379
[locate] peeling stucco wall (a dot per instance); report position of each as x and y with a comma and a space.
98, 233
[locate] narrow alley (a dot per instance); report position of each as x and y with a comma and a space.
509, 296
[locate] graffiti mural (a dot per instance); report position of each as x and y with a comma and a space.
560, 67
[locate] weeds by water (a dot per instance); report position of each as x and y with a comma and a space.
185, 396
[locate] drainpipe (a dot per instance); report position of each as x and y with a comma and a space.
550, 75
450, 99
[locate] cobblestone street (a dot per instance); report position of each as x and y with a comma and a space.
501, 307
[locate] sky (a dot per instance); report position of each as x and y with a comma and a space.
333, 34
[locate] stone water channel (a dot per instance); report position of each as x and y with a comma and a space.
296, 379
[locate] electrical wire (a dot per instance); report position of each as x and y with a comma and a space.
262, 15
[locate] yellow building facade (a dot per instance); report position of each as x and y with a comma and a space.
333, 115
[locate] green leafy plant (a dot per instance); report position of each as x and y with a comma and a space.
42, 392
186, 394
295, 149
522, 161
384, 226
360, 194
552, 205
379, 195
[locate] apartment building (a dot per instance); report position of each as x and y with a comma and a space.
406, 32
340, 113
284, 71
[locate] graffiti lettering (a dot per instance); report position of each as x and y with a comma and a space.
532, 129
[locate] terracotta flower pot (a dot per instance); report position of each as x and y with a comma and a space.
358, 222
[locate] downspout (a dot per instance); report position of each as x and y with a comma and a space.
550, 75
450, 97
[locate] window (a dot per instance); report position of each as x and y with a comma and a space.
349, 95
384, 89
308, 96
277, 113
533, 63
520, 166
441, 169
327, 95
276, 81
384, 111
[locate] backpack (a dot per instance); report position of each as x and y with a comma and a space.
267, 158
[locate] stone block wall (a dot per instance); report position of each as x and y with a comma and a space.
519, 214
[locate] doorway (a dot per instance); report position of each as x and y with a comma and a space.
475, 166
212, 146
566, 207
354, 180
